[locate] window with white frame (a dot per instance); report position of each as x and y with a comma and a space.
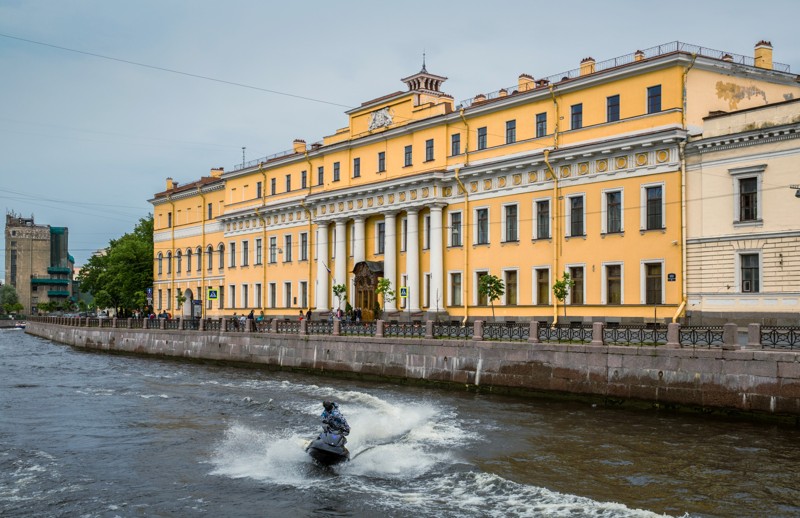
232, 254
245, 296
481, 299
303, 294
245, 252
653, 206
748, 271
541, 228
403, 234
541, 288
577, 293
304, 246
575, 215
199, 253
258, 301
747, 194
510, 223
287, 248
612, 284
169, 298
273, 295
232, 295
333, 242
611, 211
273, 250
510, 278
380, 237
481, 226
652, 282
352, 240
455, 288
221, 256
160, 263
455, 229
426, 229
426, 290
259, 251
287, 294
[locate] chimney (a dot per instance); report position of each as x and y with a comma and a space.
638, 55
299, 145
728, 58
525, 83
216, 172
587, 66
502, 93
479, 98
763, 54
542, 82
170, 184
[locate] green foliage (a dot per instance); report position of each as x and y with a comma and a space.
562, 287
384, 289
180, 298
117, 277
9, 298
340, 292
492, 287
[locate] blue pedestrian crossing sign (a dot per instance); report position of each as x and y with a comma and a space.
213, 294
403, 292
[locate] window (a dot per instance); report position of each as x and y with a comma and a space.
160, 262
749, 272
748, 199
303, 179
511, 132
426, 301
483, 299
613, 210
482, 226
169, 219
287, 248
613, 284
273, 250
455, 229
612, 108
654, 99
303, 294
541, 125
653, 283
288, 183
403, 235
258, 302
542, 219
273, 295
169, 263
576, 292
575, 215
209, 258
259, 252
273, 187
210, 211
426, 228
510, 223
542, 276
455, 144
381, 161
356, 168
245, 295
232, 255
429, 150
511, 287
199, 254
169, 298
320, 175
482, 138
576, 116
245, 253
221, 259
407, 156
287, 294
336, 171
654, 207
188, 261
259, 193
455, 289
232, 295
380, 237
304, 246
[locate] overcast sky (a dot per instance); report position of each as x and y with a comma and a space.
85, 141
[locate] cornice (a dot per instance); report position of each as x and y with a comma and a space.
755, 137
743, 237
187, 194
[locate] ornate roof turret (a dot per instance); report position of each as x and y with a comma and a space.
425, 82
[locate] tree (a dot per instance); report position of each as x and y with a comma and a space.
385, 290
8, 298
340, 292
492, 287
561, 289
114, 278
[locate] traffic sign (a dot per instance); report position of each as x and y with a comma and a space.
403, 292
213, 294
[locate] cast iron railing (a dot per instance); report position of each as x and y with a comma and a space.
510, 331
635, 334
780, 337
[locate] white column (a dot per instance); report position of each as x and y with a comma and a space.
390, 256
360, 244
323, 287
341, 252
412, 259
437, 260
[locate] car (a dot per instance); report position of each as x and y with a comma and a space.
102, 314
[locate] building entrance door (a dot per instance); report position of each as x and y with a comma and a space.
366, 275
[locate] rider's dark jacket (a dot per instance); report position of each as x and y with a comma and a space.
335, 421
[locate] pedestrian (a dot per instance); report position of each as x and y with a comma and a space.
301, 314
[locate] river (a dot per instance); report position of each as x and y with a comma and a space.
102, 435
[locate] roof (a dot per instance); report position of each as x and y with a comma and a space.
205, 180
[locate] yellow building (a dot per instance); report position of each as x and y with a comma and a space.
579, 172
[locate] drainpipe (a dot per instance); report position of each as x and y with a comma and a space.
174, 221
202, 251
682, 155
263, 233
310, 229
466, 233
554, 218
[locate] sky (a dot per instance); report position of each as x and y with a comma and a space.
102, 100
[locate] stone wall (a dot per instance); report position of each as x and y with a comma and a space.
749, 380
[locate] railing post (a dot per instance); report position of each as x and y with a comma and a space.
673, 335
379, 329
114, 323
754, 335
223, 324
162, 324
597, 333
273, 326
201, 324
128, 324
729, 332
337, 327
533, 333
477, 330
304, 327
429, 329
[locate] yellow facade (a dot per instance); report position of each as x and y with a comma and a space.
581, 172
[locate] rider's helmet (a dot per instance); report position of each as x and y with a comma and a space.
327, 405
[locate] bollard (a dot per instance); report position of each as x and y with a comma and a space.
597, 333
304, 327
429, 329
673, 336
754, 335
533, 332
379, 329
477, 330
729, 332
337, 327
273, 326
223, 325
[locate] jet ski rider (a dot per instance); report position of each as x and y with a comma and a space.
333, 420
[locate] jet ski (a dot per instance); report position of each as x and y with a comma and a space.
329, 448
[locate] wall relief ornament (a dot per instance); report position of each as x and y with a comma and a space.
380, 118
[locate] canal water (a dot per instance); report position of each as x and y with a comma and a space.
101, 435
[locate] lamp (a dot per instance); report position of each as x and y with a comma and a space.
797, 190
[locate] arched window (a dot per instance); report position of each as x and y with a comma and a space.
160, 261
178, 261
221, 252
209, 257
169, 263
188, 260
199, 258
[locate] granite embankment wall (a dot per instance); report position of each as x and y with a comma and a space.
749, 380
